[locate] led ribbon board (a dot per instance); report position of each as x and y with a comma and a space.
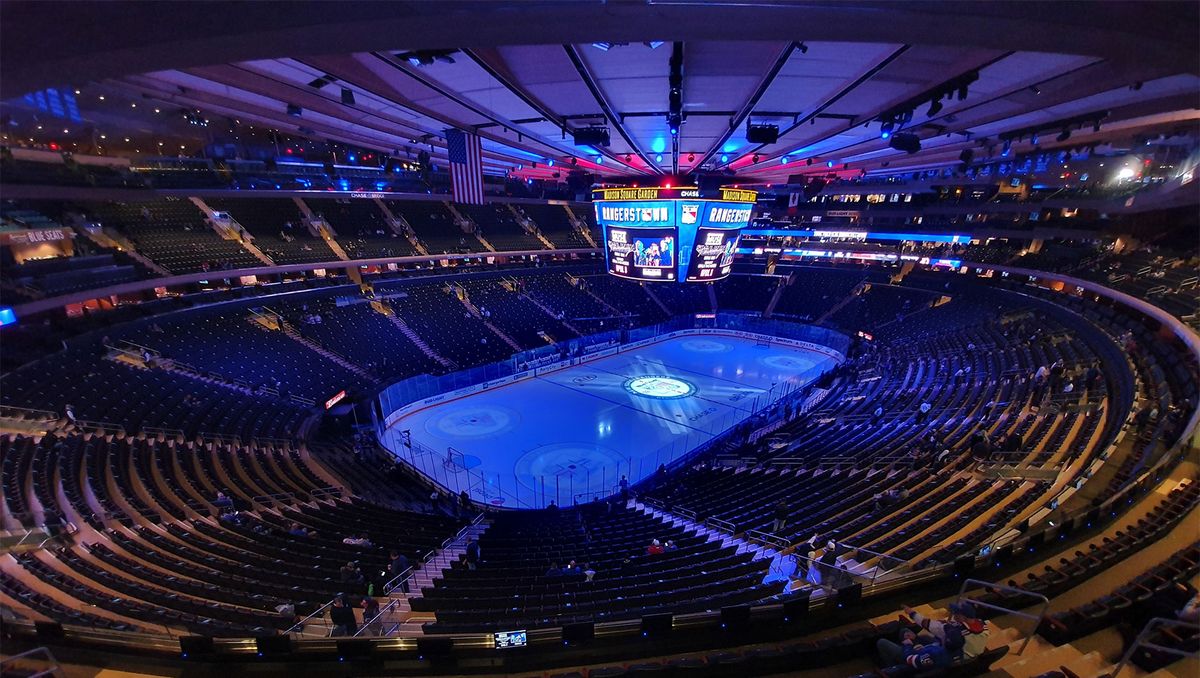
672, 234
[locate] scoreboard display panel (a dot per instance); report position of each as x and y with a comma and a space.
712, 255
672, 235
642, 253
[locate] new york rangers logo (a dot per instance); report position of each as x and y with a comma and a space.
690, 214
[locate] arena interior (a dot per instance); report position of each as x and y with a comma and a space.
577, 338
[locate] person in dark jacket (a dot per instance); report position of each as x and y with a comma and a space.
473, 554
341, 615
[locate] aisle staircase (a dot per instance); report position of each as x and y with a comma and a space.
474, 311
710, 530
580, 226
419, 342
451, 551
776, 296
228, 228
401, 227
530, 227
650, 293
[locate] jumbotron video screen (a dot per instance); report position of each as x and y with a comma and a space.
672, 234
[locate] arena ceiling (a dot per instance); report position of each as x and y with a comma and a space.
525, 75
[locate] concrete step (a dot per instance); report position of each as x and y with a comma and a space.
1033, 662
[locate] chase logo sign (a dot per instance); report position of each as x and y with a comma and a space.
689, 214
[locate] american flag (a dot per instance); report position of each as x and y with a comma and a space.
466, 166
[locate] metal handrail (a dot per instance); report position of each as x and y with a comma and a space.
1143, 641
54, 670
42, 415
1039, 617
721, 523
102, 426
366, 623
318, 613
395, 582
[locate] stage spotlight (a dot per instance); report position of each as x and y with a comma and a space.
658, 158
724, 158
755, 158
691, 157
885, 131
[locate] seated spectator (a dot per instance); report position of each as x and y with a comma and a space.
222, 501
589, 572
923, 412
296, 530
655, 548
360, 540
350, 574
962, 635
670, 546
554, 570
912, 654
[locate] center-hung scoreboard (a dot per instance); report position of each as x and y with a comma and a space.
672, 234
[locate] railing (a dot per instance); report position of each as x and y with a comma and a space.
16, 664
285, 497
35, 537
222, 438
1038, 618
164, 432
1143, 642
103, 427
374, 625
27, 414
315, 615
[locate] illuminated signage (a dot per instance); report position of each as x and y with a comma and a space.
507, 639
337, 398
712, 255
32, 237
642, 253
7, 316
668, 234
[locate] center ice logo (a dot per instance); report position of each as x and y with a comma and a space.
659, 386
